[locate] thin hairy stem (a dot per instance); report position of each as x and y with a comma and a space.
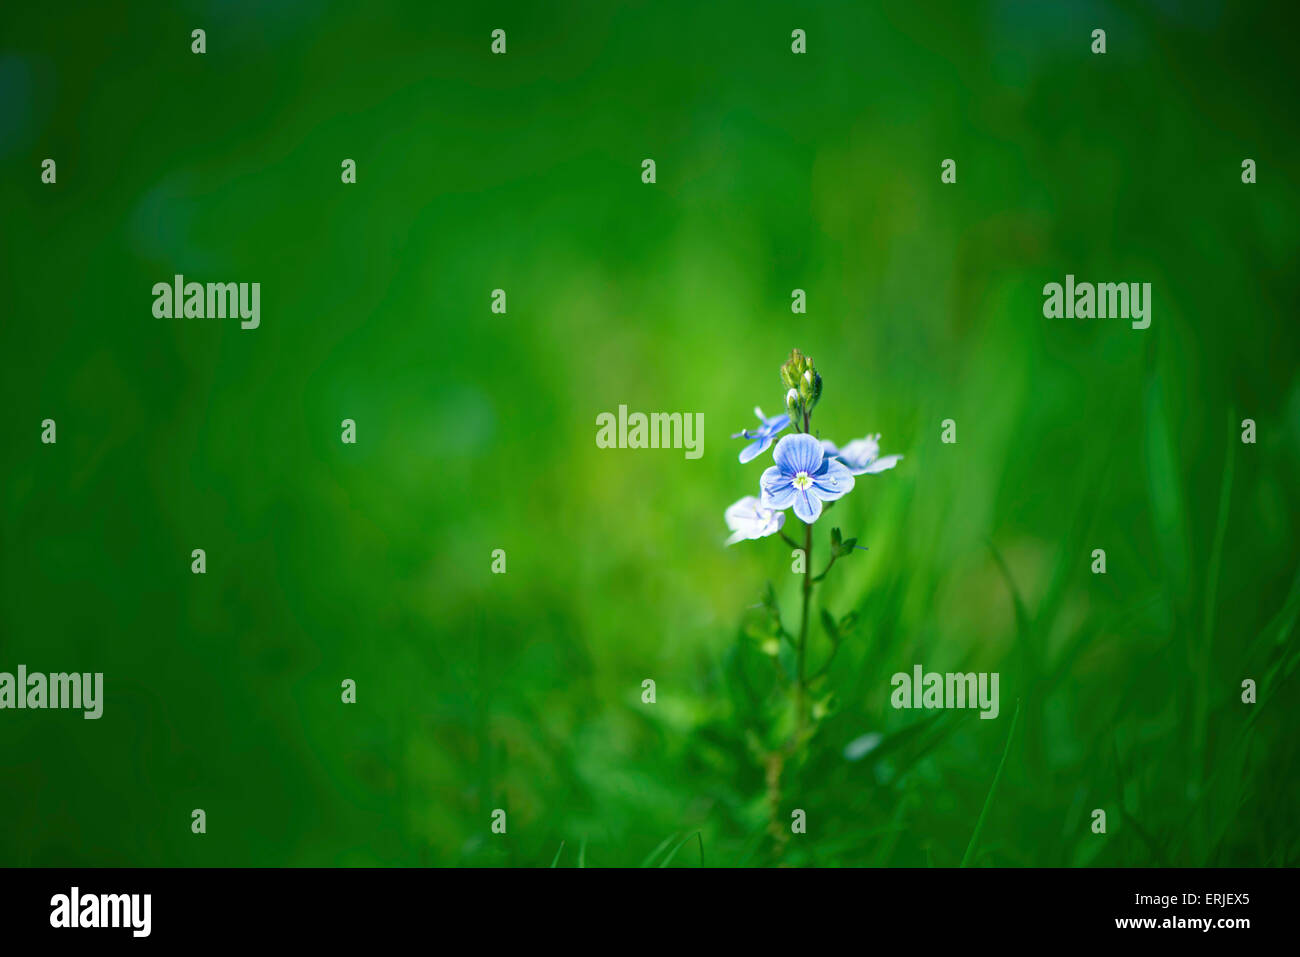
776, 760
801, 692
834, 556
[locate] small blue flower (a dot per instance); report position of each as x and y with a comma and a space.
749, 519
804, 477
862, 456
768, 430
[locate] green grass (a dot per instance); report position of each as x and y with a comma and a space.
476, 432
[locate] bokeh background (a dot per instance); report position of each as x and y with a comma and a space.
476, 431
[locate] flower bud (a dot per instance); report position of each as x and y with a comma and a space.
793, 407
810, 387
803, 382
792, 369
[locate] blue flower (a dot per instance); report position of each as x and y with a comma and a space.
804, 477
768, 430
862, 456
748, 519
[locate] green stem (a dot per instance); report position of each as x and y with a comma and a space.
801, 689
826, 569
775, 761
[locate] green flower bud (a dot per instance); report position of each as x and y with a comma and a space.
793, 407
810, 387
804, 384
793, 369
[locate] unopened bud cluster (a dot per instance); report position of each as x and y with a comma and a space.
803, 387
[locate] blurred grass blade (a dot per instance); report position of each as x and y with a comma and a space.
1022, 614
682, 843
988, 800
1164, 486
649, 858
1220, 529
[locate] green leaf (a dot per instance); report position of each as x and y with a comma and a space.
825, 707
832, 630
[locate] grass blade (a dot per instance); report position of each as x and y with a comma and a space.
649, 858
682, 843
988, 799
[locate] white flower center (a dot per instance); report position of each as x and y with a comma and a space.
802, 481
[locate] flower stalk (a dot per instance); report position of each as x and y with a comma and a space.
808, 476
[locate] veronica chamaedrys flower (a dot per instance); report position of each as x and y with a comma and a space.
804, 476
862, 456
763, 436
749, 518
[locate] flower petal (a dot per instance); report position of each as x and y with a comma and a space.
798, 453
833, 481
754, 450
860, 452
778, 490
881, 464
763, 436
749, 519
776, 424
807, 506
742, 511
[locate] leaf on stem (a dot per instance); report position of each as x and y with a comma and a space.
832, 629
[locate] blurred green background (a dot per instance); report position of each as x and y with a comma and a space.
476, 431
